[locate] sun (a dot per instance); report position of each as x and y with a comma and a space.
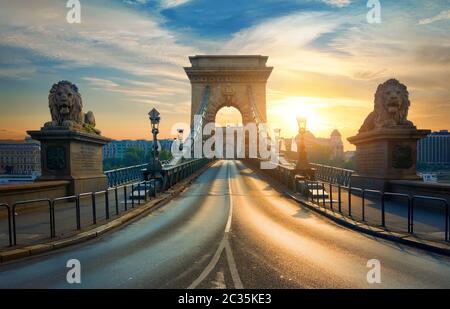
283, 114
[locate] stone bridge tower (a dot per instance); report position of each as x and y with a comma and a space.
238, 81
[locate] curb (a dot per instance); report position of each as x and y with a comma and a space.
403, 238
155, 203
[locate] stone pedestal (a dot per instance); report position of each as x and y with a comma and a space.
385, 154
73, 156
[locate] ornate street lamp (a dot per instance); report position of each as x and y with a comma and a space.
302, 161
155, 166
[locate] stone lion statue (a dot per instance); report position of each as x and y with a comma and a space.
391, 107
66, 109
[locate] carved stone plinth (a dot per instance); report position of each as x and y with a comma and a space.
385, 154
74, 156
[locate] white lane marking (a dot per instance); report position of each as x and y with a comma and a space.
224, 244
230, 200
230, 258
233, 269
210, 266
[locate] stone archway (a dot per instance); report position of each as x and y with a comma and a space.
237, 81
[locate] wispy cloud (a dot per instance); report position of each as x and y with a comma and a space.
172, 3
444, 15
338, 3
20, 72
331, 58
161, 93
101, 83
107, 37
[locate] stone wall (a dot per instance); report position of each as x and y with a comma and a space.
11, 194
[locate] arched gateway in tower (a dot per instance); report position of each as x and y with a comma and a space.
228, 80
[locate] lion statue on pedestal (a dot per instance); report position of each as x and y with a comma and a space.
391, 107
66, 109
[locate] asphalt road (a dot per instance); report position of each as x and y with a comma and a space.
231, 229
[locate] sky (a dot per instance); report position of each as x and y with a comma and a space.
127, 56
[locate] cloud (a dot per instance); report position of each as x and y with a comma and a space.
18, 72
172, 3
107, 37
101, 83
329, 58
444, 15
161, 93
338, 3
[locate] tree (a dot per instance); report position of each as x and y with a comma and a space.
133, 156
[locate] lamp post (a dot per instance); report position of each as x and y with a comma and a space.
302, 159
155, 166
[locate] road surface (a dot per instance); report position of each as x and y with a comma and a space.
232, 229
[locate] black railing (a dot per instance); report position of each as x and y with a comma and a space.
331, 174
127, 174
336, 178
98, 203
382, 197
21, 203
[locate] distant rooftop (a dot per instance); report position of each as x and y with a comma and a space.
335, 133
26, 141
441, 132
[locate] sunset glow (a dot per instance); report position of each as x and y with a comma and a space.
327, 61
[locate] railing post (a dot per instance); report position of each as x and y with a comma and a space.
383, 216
331, 196
363, 197
77, 212
125, 197
94, 209
52, 220
323, 194
409, 214
116, 197
339, 198
8, 210
139, 193
447, 232
350, 201
145, 190
107, 204
132, 196
412, 215
14, 224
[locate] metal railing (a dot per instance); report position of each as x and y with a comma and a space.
332, 174
125, 195
334, 179
382, 197
127, 174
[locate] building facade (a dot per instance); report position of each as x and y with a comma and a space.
434, 149
117, 148
331, 148
20, 157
